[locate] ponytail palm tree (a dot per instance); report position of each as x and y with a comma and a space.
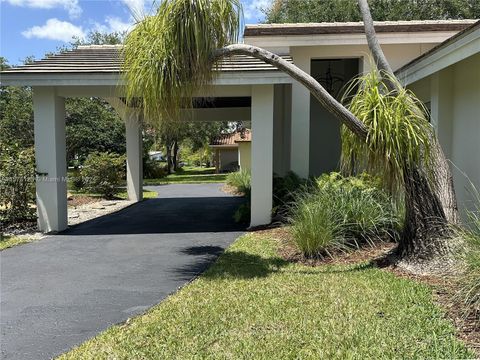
172, 54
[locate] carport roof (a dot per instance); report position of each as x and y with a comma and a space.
108, 59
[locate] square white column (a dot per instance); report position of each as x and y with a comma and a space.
300, 131
262, 154
51, 159
133, 127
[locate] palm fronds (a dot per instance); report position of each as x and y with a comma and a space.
399, 134
168, 56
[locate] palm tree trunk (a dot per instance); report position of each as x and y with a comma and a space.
430, 205
429, 200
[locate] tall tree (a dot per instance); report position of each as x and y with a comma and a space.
188, 37
301, 11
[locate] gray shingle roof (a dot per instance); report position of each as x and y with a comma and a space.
107, 59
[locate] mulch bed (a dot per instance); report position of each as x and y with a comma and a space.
444, 288
78, 200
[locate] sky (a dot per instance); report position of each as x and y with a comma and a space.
35, 27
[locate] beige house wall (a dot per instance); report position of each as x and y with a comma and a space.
245, 155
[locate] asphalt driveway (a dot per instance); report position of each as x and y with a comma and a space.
62, 290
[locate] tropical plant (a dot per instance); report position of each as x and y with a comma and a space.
173, 53
396, 112
340, 213
103, 173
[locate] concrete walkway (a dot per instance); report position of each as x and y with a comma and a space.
62, 290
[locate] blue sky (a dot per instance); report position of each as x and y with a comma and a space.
34, 27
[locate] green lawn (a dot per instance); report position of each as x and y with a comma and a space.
251, 304
10, 241
189, 175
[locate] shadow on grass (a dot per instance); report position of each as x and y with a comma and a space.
242, 265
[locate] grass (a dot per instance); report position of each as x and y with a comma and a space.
147, 194
189, 175
251, 304
11, 241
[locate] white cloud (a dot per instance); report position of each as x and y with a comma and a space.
72, 6
136, 7
252, 9
114, 24
55, 29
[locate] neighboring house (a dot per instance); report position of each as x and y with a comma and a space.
232, 151
447, 80
291, 131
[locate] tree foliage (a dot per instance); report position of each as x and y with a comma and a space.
92, 125
302, 11
168, 56
399, 134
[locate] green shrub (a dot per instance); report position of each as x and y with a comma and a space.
284, 190
103, 173
77, 182
241, 180
340, 213
153, 169
17, 185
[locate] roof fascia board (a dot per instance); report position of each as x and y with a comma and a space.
348, 39
459, 50
99, 79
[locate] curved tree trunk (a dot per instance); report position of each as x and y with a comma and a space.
430, 205
429, 200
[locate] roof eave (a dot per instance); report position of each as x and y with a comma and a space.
445, 54
115, 79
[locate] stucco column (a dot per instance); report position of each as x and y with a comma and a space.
133, 128
51, 159
300, 130
262, 154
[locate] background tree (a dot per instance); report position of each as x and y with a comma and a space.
301, 11
189, 37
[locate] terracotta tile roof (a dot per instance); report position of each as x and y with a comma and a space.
107, 59
355, 27
231, 140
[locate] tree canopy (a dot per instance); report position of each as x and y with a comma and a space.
302, 11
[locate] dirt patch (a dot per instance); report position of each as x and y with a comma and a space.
231, 190
78, 200
289, 252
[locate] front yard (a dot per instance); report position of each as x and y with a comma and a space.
189, 175
252, 304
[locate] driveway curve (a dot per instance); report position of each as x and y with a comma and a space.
66, 288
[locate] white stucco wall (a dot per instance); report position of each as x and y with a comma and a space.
454, 97
321, 136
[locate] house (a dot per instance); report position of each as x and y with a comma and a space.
290, 129
232, 151
447, 80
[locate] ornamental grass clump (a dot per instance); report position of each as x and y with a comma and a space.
241, 181
469, 292
341, 213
